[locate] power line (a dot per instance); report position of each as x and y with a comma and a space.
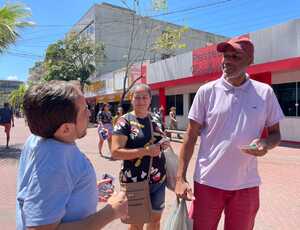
23, 55
112, 20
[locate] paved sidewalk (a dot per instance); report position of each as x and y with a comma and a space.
280, 191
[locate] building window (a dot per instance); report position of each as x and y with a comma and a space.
177, 101
155, 102
191, 99
288, 95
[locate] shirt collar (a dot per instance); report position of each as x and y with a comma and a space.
224, 84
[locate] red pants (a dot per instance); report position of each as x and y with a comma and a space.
240, 207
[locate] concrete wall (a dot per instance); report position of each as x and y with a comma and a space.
113, 26
286, 77
289, 128
278, 42
172, 68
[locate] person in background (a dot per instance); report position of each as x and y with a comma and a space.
132, 143
105, 127
230, 114
56, 183
173, 120
119, 113
157, 117
7, 120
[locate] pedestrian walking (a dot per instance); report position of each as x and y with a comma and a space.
7, 120
105, 127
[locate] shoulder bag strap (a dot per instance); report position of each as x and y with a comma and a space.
151, 142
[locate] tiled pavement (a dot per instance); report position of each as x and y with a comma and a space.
280, 191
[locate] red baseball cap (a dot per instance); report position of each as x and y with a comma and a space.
238, 43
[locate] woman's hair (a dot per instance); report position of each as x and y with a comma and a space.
103, 106
143, 86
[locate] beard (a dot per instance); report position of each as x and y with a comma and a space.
231, 73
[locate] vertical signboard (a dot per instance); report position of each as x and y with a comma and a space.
206, 60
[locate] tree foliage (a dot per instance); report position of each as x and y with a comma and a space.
170, 41
73, 58
16, 97
12, 17
37, 72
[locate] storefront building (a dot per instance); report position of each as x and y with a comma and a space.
6, 87
277, 62
175, 80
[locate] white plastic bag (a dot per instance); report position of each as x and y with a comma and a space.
171, 168
179, 218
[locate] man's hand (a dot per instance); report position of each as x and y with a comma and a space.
119, 205
260, 148
183, 190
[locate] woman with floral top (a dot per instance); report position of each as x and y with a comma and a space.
131, 143
105, 127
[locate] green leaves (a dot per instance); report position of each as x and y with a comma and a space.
73, 58
16, 97
170, 40
12, 17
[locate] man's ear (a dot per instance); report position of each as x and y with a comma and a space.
63, 130
251, 60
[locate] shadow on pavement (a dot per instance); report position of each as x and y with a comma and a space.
13, 152
290, 145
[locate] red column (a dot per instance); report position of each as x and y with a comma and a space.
263, 77
162, 100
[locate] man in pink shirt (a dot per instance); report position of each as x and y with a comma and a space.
230, 114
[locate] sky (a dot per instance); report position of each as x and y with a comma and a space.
54, 18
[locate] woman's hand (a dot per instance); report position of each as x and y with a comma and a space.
165, 144
153, 150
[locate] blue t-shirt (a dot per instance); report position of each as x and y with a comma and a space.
56, 183
5, 115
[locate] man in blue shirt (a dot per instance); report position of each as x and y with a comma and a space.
56, 184
6, 120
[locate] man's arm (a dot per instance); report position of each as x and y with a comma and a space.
116, 208
270, 142
274, 137
183, 189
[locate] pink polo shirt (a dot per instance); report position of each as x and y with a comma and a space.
231, 116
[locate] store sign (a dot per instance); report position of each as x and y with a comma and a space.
138, 71
116, 97
95, 86
206, 61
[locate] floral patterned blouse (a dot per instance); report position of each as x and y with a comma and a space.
138, 131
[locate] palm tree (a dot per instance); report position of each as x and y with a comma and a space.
11, 18
16, 97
